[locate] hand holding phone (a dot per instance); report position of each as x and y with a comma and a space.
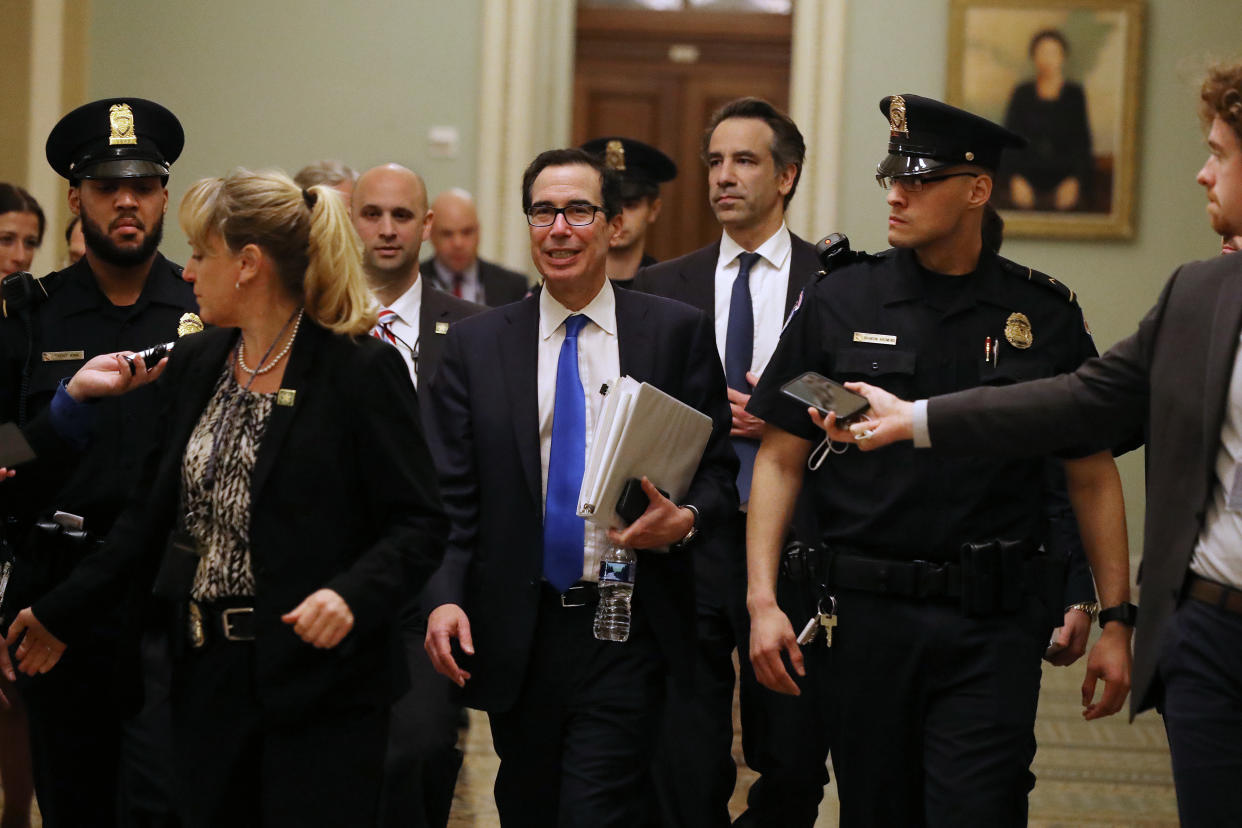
818, 392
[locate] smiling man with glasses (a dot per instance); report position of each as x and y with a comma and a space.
943, 591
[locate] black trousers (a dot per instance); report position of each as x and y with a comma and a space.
784, 738
1201, 669
238, 766
931, 712
575, 749
421, 766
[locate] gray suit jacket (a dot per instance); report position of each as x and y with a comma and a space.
1170, 381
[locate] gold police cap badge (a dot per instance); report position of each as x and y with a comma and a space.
1018, 331
121, 120
614, 155
189, 323
897, 116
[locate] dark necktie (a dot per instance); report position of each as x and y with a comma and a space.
739, 351
562, 528
458, 280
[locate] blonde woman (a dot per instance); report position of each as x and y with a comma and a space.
290, 510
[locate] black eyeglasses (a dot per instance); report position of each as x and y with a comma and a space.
578, 215
914, 183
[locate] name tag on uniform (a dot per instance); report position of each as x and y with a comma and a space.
286, 396
442, 327
63, 356
875, 339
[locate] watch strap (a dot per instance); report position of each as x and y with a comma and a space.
1126, 613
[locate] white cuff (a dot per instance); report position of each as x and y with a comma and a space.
922, 437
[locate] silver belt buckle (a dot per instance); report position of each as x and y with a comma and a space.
226, 621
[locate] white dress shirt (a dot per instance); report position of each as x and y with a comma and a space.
405, 326
1218, 554
599, 361
471, 287
769, 285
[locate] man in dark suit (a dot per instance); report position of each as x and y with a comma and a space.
573, 718
754, 156
1177, 380
391, 216
456, 267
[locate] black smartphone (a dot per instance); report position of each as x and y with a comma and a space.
817, 391
633, 500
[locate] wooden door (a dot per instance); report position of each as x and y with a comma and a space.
657, 77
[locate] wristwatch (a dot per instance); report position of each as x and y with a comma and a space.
1091, 608
694, 527
1126, 613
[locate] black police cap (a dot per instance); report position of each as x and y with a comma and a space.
115, 138
640, 165
926, 135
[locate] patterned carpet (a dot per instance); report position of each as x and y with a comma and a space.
1103, 773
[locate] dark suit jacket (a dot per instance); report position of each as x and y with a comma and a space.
487, 412
343, 496
501, 286
692, 278
437, 313
1170, 380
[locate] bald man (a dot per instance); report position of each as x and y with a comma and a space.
456, 267
390, 212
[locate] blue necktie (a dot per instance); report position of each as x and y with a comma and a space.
739, 351
562, 528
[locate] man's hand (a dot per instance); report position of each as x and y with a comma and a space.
744, 424
888, 420
5, 474
107, 375
39, 650
322, 620
446, 622
1069, 641
1109, 660
771, 634
663, 522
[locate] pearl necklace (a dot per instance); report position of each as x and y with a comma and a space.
241, 351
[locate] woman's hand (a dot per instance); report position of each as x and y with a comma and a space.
322, 620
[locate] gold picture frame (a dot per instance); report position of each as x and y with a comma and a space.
1051, 69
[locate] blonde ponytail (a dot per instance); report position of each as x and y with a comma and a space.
335, 286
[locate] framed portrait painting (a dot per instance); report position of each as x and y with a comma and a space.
1064, 74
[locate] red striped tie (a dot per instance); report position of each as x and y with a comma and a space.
383, 327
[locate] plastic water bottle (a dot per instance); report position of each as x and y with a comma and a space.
616, 588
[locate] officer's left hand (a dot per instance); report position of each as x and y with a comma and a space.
1109, 660
663, 522
107, 375
322, 620
1069, 641
39, 650
744, 424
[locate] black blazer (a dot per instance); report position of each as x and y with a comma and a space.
501, 286
436, 314
343, 496
487, 414
1170, 381
692, 278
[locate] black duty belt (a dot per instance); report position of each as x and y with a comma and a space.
989, 577
208, 622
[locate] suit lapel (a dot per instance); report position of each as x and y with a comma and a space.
698, 277
196, 388
298, 379
430, 341
518, 344
1218, 368
634, 351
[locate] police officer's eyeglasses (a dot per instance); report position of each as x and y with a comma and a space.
914, 183
578, 215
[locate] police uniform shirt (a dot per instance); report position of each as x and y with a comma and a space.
891, 323
405, 326
77, 322
769, 283
599, 361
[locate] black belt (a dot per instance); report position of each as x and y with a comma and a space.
216, 621
1218, 595
581, 594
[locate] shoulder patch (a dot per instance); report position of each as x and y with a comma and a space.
1042, 279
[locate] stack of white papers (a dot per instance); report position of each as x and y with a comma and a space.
641, 432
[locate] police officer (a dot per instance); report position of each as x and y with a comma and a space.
89, 752
940, 601
642, 169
